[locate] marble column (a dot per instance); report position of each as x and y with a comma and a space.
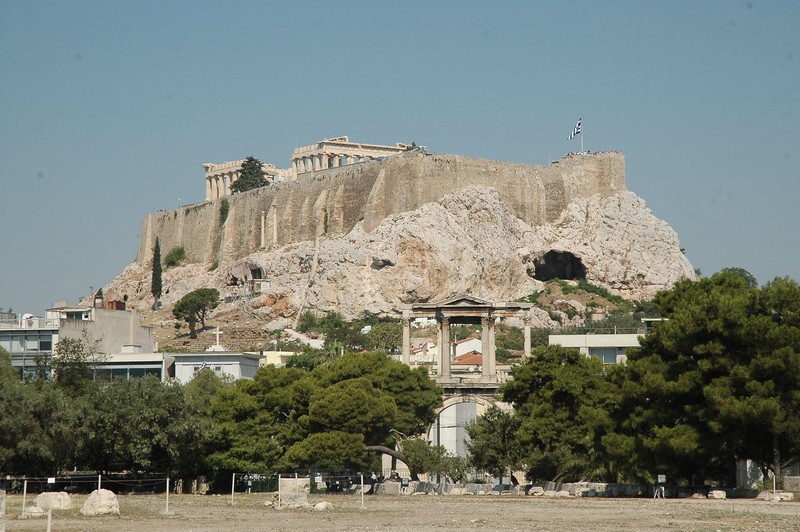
439, 347
406, 341
485, 366
526, 320
492, 365
447, 347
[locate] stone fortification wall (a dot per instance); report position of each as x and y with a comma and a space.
328, 203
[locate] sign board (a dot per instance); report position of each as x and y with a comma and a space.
662, 479
318, 479
51, 480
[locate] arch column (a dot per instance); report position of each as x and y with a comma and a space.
447, 347
492, 361
526, 320
406, 340
485, 346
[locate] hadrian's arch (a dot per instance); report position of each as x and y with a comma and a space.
467, 393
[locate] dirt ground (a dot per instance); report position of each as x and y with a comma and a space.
146, 513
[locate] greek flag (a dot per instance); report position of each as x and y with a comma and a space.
203, 366
576, 131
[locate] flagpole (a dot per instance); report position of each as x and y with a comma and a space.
582, 135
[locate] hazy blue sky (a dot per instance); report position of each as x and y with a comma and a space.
108, 110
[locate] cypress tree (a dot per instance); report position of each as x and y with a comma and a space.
155, 286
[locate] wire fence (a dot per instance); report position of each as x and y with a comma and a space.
86, 483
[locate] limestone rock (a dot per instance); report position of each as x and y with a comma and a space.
768, 495
717, 494
536, 491
101, 502
53, 500
467, 242
32, 512
290, 500
323, 506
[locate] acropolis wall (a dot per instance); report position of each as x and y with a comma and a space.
329, 202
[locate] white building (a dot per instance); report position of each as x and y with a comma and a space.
233, 365
111, 329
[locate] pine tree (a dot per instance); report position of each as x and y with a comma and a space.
252, 176
155, 286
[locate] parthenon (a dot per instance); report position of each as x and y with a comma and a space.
339, 151
329, 153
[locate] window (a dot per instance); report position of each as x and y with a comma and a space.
608, 355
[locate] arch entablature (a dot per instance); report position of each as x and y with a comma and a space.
485, 401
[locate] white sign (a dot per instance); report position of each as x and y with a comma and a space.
51, 480
662, 479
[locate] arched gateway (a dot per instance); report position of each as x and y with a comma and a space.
479, 390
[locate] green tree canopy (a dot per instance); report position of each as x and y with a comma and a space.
194, 307
494, 443
563, 402
717, 382
253, 176
292, 417
142, 425
70, 365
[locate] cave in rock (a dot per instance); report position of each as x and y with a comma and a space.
558, 264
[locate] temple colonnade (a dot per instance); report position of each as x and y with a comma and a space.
337, 152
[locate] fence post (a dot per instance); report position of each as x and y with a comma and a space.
2, 510
362, 491
279, 491
24, 494
167, 510
233, 487
98, 482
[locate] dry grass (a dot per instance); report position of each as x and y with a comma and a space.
145, 513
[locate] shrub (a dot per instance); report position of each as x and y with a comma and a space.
223, 211
174, 257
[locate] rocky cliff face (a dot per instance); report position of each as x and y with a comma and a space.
467, 242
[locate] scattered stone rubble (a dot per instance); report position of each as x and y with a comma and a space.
295, 501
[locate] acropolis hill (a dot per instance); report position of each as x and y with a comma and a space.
358, 227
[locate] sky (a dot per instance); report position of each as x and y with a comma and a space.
108, 109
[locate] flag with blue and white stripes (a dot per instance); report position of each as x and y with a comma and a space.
576, 131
